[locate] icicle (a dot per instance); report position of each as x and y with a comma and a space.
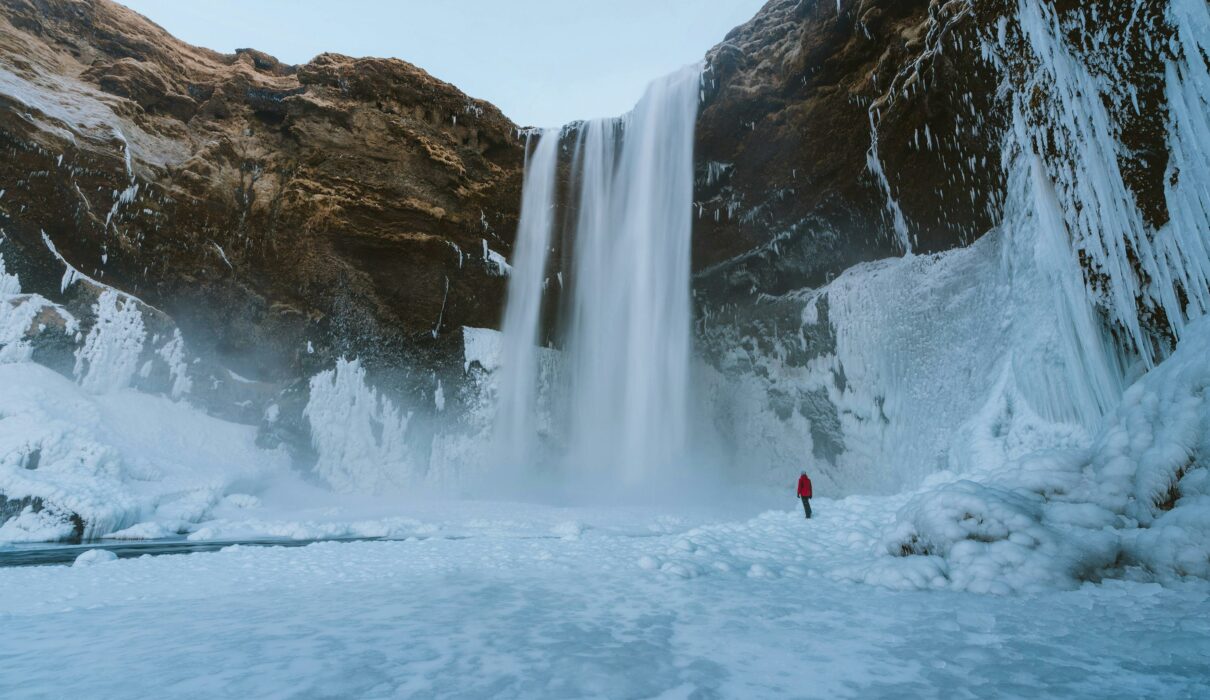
898, 222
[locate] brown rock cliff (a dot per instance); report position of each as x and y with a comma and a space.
346, 203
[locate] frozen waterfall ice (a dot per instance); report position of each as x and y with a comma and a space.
628, 320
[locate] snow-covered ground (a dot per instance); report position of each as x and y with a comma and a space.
515, 600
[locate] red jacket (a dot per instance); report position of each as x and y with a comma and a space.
804, 486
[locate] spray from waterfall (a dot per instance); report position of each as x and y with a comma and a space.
628, 321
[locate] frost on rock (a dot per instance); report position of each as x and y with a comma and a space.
481, 346
496, 263
22, 316
1183, 246
116, 350
17, 314
1062, 109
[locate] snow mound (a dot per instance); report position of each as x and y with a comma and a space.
93, 557
987, 539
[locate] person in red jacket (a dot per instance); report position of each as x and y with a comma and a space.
804, 492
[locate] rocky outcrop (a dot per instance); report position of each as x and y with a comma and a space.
281, 215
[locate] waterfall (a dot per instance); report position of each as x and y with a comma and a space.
628, 321
516, 423
630, 315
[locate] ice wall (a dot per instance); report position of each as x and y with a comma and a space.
1061, 111
1183, 246
1132, 502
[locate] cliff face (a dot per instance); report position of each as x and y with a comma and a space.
840, 132
282, 215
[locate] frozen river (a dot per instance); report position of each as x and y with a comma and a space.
512, 600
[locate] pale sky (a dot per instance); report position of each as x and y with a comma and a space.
543, 62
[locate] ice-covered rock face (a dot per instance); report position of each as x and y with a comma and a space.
106, 339
1062, 148
836, 133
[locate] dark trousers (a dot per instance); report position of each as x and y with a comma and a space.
806, 505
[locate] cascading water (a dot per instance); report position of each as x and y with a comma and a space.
516, 425
628, 332
629, 345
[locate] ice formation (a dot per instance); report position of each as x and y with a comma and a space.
984, 354
19, 317
109, 357
360, 436
88, 463
1135, 502
173, 353
874, 164
1142, 267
